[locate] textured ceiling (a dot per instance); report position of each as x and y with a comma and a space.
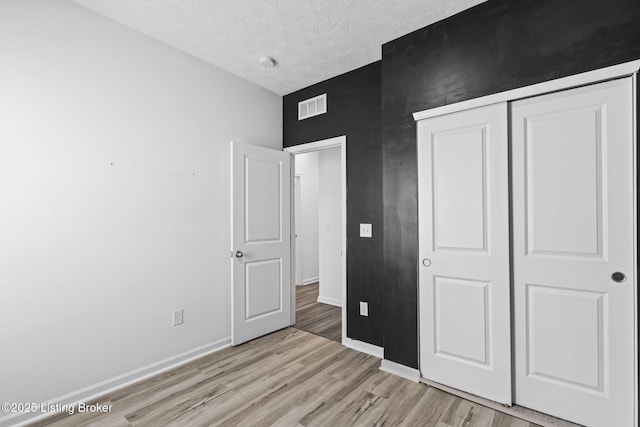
312, 40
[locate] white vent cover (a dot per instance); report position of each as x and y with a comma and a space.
312, 107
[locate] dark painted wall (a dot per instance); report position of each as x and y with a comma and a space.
496, 46
353, 109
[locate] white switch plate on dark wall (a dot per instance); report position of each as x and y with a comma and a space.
365, 230
364, 308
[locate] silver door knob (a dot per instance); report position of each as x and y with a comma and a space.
426, 262
239, 254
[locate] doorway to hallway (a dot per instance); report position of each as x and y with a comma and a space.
320, 237
315, 317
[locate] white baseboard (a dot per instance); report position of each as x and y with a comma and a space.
400, 370
330, 301
364, 347
102, 388
310, 280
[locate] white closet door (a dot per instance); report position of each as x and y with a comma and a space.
464, 251
573, 213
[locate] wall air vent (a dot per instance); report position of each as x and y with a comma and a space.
312, 107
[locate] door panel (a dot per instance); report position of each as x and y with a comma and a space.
459, 167
263, 286
563, 153
573, 210
464, 251
570, 353
260, 216
262, 191
461, 315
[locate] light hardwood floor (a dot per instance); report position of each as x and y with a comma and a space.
320, 319
288, 378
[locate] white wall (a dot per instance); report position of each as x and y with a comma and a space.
330, 222
307, 168
114, 182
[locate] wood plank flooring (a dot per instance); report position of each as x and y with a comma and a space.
320, 319
288, 378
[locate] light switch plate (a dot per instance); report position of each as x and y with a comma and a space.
364, 308
365, 230
178, 317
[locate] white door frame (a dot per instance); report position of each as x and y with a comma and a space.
339, 141
297, 219
631, 68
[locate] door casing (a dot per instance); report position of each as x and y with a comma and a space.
297, 237
339, 141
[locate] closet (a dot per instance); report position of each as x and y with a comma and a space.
527, 242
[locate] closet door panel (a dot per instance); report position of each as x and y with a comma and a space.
563, 183
459, 194
464, 251
573, 210
461, 311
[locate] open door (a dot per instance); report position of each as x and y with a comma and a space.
260, 241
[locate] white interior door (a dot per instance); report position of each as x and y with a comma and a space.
464, 251
260, 241
573, 213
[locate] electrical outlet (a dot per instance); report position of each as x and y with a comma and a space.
364, 308
178, 317
365, 230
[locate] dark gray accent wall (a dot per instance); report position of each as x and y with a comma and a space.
493, 47
496, 46
353, 109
